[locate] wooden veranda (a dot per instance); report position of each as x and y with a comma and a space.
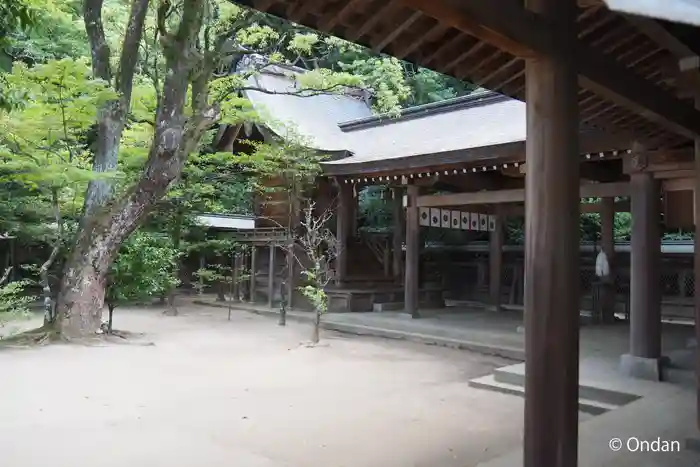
580, 68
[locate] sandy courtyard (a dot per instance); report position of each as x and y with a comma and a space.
245, 393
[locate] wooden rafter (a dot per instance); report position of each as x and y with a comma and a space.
506, 81
486, 79
433, 33
657, 33
595, 25
610, 35
372, 21
521, 32
645, 56
396, 31
631, 52
464, 55
329, 21
456, 40
627, 38
474, 69
301, 9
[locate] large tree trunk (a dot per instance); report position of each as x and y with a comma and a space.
81, 297
111, 118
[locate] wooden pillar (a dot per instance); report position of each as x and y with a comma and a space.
271, 277
291, 260
607, 236
253, 271
644, 358
342, 230
202, 265
14, 273
221, 285
411, 282
691, 69
552, 246
398, 234
496, 263
353, 212
386, 258
236, 277
696, 267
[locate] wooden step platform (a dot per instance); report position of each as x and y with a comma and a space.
365, 299
593, 399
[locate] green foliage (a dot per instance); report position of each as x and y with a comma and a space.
316, 295
376, 213
44, 158
57, 32
142, 269
15, 15
14, 301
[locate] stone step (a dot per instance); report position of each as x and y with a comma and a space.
490, 383
587, 392
388, 306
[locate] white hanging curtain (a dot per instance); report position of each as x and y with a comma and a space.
602, 268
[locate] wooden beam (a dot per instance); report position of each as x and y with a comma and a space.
671, 174
590, 142
594, 169
460, 19
519, 210
678, 184
590, 190
659, 161
524, 33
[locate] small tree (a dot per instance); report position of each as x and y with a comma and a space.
142, 269
319, 248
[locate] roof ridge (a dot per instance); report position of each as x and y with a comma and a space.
475, 99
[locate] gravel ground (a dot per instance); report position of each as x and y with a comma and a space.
200, 391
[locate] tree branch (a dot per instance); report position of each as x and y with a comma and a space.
5, 275
92, 14
44, 269
130, 50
